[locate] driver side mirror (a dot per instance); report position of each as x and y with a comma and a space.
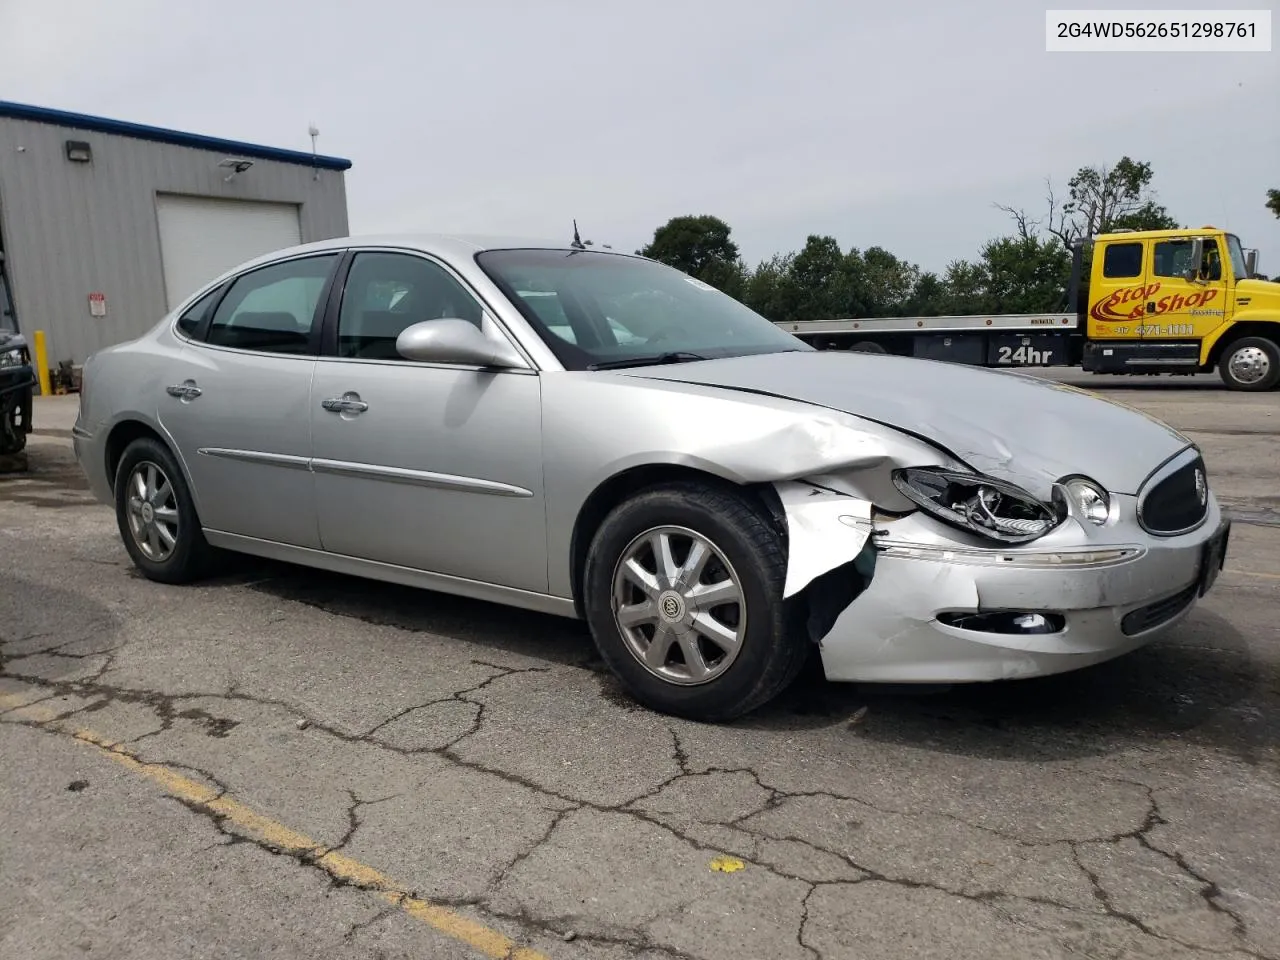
1251, 263
450, 340
1197, 258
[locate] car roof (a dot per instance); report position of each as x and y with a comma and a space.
446, 244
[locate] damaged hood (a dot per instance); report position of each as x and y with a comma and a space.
1011, 426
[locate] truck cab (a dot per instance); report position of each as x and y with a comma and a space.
1181, 301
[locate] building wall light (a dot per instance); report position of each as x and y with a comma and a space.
78, 151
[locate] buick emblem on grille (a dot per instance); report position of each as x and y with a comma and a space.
1202, 488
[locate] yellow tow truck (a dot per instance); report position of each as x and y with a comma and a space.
1158, 301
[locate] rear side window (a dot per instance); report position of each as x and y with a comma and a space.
386, 292
1122, 260
190, 320
273, 309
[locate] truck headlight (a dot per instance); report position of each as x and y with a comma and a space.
13, 357
983, 505
1090, 501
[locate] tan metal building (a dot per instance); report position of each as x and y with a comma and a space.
105, 225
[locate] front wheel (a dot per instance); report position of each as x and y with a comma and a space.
156, 515
684, 599
1250, 363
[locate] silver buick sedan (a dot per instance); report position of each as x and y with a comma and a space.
599, 436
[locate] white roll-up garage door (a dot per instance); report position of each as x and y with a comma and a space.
201, 237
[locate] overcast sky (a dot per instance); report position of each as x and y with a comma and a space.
892, 124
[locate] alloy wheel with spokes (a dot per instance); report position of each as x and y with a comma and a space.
683, 589
679, 605
153, 511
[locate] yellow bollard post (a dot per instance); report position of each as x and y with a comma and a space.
42, 363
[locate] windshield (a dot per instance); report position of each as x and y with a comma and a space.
1237, 257
593, 307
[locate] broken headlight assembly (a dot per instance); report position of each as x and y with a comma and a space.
13, 357
983, 505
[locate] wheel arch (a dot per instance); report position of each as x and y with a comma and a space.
128, 429
627, 483
1267, 329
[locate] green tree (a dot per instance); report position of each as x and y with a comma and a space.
769, 289
965, 286
1025, 274
1101, 199
928, 297
694, 244
817, 280
887, 283
1273, 201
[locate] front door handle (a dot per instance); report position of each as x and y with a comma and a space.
187, 390
347, 403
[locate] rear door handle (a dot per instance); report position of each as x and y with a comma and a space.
187, 390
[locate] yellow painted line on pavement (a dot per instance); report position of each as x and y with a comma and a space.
476, 935
1253, 573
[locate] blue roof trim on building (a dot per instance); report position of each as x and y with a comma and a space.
82, 121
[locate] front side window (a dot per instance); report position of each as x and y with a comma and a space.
387, 292
592, 307
273, 308
1172, 258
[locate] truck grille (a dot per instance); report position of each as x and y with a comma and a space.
1154, 614
1177, 503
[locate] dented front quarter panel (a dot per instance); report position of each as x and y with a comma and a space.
737, 437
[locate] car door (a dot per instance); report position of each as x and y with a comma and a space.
237, 402
432, 466
1180, 308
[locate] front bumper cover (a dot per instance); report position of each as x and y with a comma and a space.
1109, 598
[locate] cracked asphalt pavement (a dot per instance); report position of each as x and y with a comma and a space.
287, 763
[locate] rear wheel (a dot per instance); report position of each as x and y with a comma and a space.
157, 517
684, 599
1250, 363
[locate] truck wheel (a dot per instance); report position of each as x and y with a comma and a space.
1250, 363
157, 517
683, 593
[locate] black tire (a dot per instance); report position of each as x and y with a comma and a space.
12, 439
190, 557
1269, 350
867, 346
771, 653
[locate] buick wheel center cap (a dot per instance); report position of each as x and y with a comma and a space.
148, 513
671, 606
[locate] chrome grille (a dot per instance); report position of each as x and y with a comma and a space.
1178, 502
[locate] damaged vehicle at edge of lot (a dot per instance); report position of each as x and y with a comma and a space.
596, 435
17, 387
17, 375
